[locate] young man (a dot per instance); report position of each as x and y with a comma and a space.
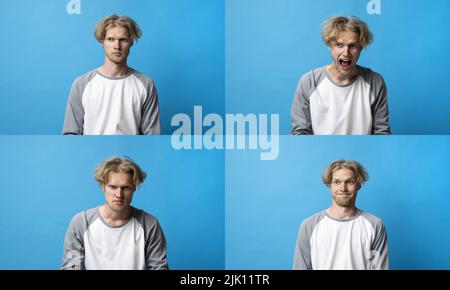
115, 235
342, 98
343, 236
113, 99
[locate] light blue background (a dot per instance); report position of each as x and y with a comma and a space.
47, 180
407, 188
270, 44
44, 49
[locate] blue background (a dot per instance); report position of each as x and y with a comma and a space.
407, 188
270, 44
44, 49
46, 180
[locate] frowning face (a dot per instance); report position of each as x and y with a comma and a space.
117, 44
119, 191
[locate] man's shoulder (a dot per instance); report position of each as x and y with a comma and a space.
374, 220
81, 82
146, 80
316, 74
86, 76
313, 220
83, 219
146, 219
310, 80
369, 75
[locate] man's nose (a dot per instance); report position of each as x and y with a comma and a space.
119, 192
346, 50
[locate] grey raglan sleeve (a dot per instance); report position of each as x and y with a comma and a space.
73, 258
155, 247
74, 117
379, 258
379, 108
300, 111
150, 123
302, 255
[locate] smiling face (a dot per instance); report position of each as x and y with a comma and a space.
345, 52
119, 191
117, 44
344, 188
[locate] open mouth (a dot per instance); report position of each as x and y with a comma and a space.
345, 64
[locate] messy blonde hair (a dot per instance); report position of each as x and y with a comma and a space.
116, 165
134, 32
334, 25
359, 171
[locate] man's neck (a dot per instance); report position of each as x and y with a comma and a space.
338, 78
114, 218
114, 70
342, 213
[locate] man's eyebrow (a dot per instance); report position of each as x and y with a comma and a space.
351, 43
120, 38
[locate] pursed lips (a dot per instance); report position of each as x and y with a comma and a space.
344, 193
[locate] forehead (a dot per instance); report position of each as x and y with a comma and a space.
117, 31
119, 178
347, 36
343, 174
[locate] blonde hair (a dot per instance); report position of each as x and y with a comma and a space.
359, 171
134, 32
119, 164
334, 25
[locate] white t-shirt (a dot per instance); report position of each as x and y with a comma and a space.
323, 107
324, 243
100, 105
92, 244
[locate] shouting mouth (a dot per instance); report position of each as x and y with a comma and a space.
345, 63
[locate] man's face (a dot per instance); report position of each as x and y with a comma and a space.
345, 52
344, 187
117, 44
119, 191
